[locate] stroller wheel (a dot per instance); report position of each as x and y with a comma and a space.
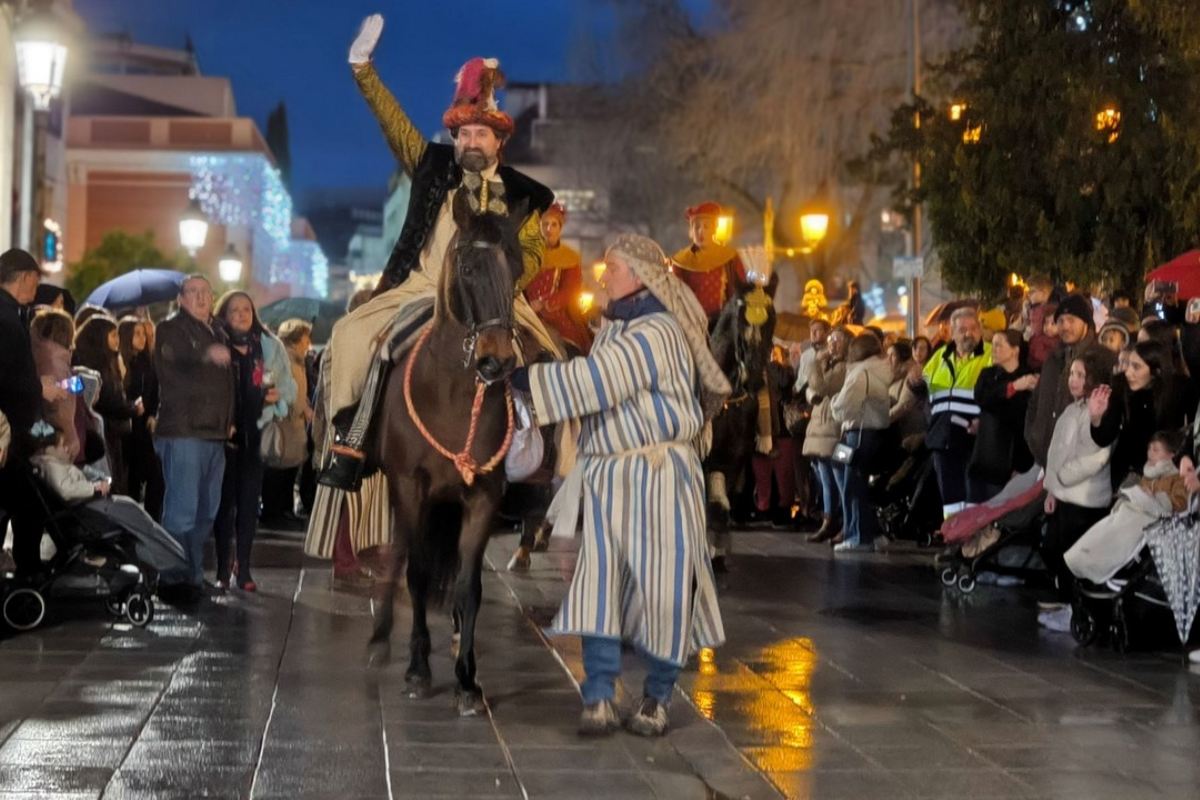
24, 609
966, 584
1083, 626
139, 608
115, 605
949, 577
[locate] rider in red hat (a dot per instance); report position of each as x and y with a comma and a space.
554, 293
710, 269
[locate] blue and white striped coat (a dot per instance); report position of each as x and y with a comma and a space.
643, 573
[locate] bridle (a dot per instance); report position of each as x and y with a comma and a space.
474, 328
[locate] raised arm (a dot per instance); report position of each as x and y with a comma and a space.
402, 136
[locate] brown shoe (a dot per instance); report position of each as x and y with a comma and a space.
826, 531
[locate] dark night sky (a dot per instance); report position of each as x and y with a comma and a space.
295, 50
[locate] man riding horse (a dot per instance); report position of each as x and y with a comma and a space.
439, 172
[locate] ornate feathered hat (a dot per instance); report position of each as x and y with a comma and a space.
474, 101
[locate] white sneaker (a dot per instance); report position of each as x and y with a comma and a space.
1058, 621
1194, 656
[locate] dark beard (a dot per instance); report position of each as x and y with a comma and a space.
472, 160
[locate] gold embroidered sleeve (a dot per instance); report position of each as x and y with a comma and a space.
533, 246
402, 136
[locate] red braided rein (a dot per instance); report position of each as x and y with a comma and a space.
463, 461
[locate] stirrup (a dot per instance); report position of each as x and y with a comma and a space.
345, 470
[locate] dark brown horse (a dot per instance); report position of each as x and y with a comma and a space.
455, 381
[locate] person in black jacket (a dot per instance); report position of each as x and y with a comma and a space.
1149, 397
97, 347
145, 481
21, 396
1002, 393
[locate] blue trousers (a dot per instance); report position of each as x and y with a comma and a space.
859, 523
830, 493
193, 471
602, 663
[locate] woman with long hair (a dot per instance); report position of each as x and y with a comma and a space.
97, 347
1148, 397
141, 380
263, 389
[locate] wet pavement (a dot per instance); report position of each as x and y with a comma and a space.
850, 678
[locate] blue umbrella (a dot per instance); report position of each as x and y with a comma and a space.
141, 287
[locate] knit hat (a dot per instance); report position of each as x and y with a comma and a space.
1077, 306
652, 267
475, 97
1115, 325
705, 209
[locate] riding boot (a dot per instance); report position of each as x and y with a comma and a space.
346, 457
826, 531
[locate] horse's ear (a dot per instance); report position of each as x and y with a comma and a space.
461, 209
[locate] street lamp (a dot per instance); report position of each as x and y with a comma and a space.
724, 231
1109, 119
230, 265
193, 228
956, 111
814, 225
41, 57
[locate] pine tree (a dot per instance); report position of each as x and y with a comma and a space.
1075, 150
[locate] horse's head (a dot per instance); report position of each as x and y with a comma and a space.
478, 283
743, 335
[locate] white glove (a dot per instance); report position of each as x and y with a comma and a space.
368, 37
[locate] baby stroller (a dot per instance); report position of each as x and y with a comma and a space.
1009, 545
107, 548
906, 499
1163, 577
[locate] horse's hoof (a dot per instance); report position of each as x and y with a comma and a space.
379, 655
455, 642
520, 561
417, 687
469, 704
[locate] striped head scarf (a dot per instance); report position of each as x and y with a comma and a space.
652, 267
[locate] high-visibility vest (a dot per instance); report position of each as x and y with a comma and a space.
951, 379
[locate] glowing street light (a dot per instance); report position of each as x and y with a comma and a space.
724, 231
1109, 119
230, 265
41, 57
956, 111
972, 134
814, 225
193, 228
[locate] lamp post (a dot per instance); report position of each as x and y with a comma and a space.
193, 228
41, 61
230, 265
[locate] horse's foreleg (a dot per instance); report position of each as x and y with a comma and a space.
418, 678
468, 596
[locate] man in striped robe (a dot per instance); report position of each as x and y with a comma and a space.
644, 395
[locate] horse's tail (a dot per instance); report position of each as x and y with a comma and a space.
436, 550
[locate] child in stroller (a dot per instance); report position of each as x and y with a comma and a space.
1111, 560
105, 547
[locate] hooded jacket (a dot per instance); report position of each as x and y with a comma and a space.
863, 400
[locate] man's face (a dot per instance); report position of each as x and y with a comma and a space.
701, 229
967, 334
619, 280
26, 287
1071, 329
476, 147
818, 332
552, 230
196, 298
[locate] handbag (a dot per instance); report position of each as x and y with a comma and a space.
526, 452
284, 443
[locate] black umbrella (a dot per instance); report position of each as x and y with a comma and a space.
320, 313
139, 287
